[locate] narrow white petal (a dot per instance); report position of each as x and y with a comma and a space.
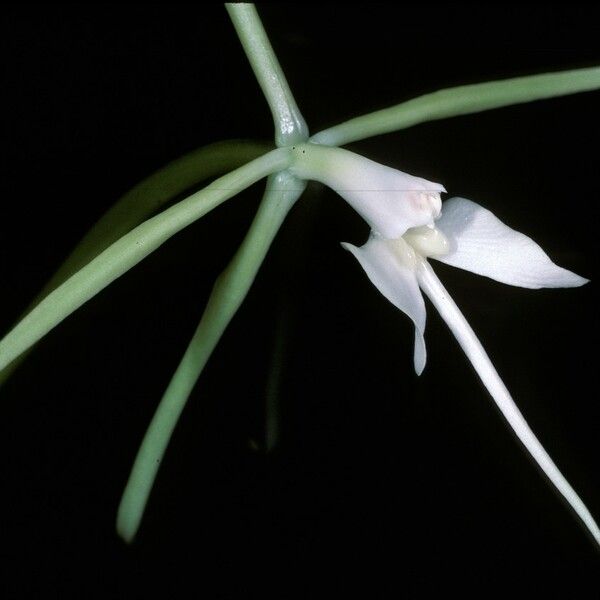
468, 341
397, 282
481, 243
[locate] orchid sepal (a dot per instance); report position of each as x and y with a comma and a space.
389, 200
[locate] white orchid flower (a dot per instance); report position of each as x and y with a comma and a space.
465, 235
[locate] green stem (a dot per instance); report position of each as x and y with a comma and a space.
290, 127
130, 250
142, 201
151, 194
462, 100
228, 293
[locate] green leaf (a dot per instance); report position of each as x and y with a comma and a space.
462, 100
145, 199
151, 194
227, 295
125, 253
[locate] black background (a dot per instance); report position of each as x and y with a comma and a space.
413, 487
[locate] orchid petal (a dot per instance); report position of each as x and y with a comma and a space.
396, 280
481, 243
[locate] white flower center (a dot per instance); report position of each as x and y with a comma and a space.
404, 252
427, 241
419, 241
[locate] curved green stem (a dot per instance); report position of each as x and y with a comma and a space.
290, 126
142, 201
462, 100
131, 249
151, 194
227, 295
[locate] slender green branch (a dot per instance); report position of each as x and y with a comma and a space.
290, 127
462, 100
151, 194
131, 249
228, 293
142, 201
